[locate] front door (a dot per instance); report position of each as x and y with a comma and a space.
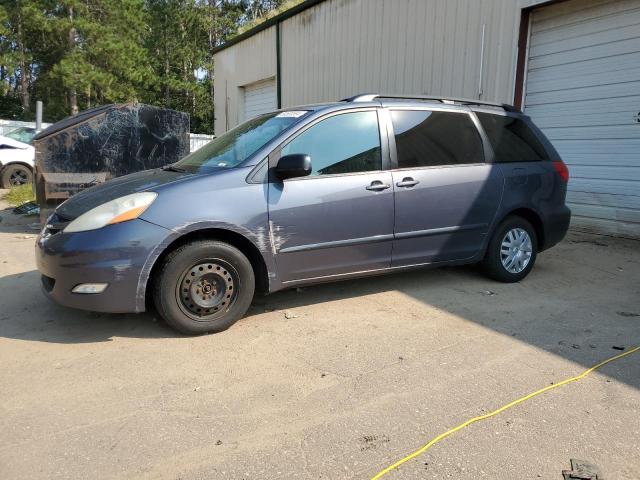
445, 195
339, 219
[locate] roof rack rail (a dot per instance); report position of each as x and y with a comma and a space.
370, 97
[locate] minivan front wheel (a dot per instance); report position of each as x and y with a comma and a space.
512, 250
203, 286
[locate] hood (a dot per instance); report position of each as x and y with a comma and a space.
147, 180
10, 142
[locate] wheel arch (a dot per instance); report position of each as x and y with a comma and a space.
4, 166
533, 218
18, 162
238, 240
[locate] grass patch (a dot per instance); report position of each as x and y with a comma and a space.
270, 14
16, 196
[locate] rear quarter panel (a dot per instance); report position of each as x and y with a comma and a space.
534, 186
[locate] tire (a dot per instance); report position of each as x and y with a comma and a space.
517, 263
16, 174
204, 286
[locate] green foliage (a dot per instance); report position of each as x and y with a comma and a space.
78, 54
261, 14
16, 196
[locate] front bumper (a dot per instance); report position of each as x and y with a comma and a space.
115, 254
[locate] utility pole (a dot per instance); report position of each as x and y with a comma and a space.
38, 116
73, 95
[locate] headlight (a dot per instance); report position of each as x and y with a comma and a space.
116, 211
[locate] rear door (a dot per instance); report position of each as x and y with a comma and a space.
339, 219
446, 196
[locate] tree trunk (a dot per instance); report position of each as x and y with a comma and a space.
24, 78
73, 95
213, 41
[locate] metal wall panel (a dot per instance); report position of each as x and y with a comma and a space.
583, 91
240, 65
341, 47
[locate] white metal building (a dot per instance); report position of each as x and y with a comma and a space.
572, 65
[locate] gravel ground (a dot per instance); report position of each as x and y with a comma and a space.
334, 381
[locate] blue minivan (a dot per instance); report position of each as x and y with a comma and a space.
368, 185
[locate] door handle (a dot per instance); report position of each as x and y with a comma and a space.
378, 186
408, 182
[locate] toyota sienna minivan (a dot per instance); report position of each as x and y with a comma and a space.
368, 185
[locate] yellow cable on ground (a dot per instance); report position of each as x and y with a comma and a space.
435, 440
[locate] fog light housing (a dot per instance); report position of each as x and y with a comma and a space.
90, 288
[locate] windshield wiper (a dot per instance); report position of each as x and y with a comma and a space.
174, 168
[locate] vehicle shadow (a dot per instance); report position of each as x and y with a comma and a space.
26, 314
561, 308
578, 312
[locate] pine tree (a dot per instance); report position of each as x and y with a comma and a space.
76, 54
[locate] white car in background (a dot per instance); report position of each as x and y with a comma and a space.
17, 157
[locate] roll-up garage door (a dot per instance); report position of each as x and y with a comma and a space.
583, 90
259, 97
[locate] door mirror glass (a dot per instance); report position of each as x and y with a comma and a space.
293, 165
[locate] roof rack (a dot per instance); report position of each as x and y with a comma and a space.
370, 97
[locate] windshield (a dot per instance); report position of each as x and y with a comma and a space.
22, 134
237, 145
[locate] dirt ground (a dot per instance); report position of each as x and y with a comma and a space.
330, 382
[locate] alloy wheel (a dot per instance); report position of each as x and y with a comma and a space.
18, 177
516, 250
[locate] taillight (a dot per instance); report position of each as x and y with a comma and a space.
562, 170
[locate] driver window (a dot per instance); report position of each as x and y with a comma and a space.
344, 143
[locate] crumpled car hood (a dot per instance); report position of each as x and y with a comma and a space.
10, 142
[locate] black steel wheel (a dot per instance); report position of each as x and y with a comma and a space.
207, 289
14, 175
203, 286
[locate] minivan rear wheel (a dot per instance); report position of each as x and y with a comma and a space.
203, 286
512, 250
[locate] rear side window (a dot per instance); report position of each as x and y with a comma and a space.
512, 139
428, 139
344, 143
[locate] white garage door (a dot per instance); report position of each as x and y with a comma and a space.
583, 91
259, 97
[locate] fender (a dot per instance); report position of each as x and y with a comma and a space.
260, 239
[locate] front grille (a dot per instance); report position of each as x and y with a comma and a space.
55, 224
48, 283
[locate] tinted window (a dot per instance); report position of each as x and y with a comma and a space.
237, 145
425, 139
512, 139
344, 143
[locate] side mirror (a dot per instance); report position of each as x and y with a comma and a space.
292, 166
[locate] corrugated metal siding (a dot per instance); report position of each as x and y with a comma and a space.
342, 47
583, 91
198, 140
235, 67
